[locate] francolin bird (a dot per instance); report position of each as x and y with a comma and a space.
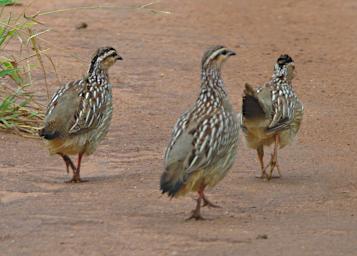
204, 140
79, 113
272, 114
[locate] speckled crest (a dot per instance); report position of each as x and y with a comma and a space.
211, 53
284, 59
100, 55
104, 52
280, 68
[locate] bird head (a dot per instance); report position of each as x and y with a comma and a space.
216, 56
104, 58
284, 68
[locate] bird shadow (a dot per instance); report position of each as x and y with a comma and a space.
284, 180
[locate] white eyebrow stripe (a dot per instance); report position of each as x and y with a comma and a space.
214, 54
102, 57
108, 54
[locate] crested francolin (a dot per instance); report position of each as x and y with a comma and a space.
204, 140
79, 113
272, 114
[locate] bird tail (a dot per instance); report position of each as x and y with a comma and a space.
251, 107
172, 180
48, 134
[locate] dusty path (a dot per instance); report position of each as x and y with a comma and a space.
311, 211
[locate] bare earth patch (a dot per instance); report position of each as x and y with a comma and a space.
312, 210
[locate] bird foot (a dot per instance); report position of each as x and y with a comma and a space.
273, 164
261, 175
196, 215
76, 179
206, 202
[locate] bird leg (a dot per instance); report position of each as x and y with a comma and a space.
206, 202
76, 176
260, 151
68, 162
196, 213
274, 159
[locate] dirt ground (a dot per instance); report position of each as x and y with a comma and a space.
312, 210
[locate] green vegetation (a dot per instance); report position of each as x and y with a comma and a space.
7, 2
19, 112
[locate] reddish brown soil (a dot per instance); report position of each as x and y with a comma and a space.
312, 210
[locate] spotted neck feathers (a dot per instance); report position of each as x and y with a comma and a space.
212, 82
96, 74
281, 85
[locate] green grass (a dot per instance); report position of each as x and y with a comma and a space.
19, 112
8, 2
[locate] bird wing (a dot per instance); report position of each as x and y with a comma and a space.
174, 153
89, 114
61, 111
57, 96
196, 142
80, 105
283, 111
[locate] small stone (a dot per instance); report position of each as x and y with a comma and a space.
82, 25
262, 236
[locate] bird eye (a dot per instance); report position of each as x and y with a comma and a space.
224, 52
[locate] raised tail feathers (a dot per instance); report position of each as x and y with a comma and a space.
251, 107
249, 90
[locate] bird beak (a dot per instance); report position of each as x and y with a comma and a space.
118, 57
231, 53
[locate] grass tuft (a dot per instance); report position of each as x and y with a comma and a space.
8, 2
20, 113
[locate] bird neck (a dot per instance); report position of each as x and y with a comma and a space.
281, 84
281, 81
211, 80
97, 74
